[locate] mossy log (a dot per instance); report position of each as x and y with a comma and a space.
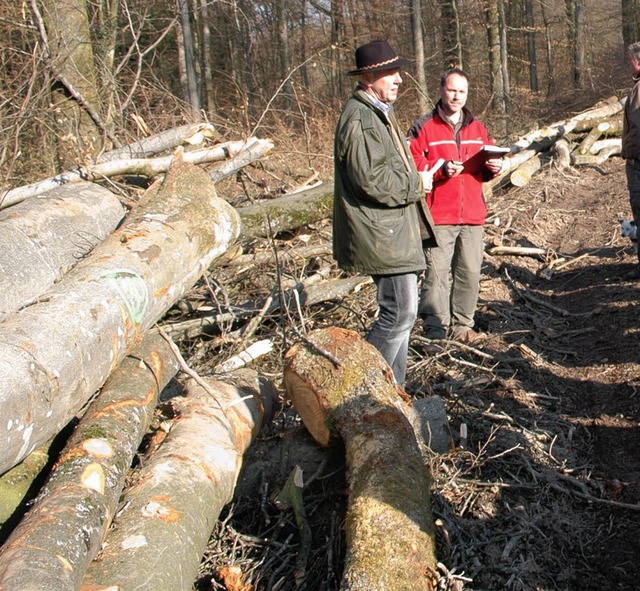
286, 213
56, 353
55, 542
342, 386
167, 514
44, 237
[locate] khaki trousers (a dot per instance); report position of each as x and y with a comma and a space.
449, 290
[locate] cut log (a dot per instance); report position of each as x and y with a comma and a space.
599, 158
55, 354
149, 167
56, 541
562, 154
522, 175
342, 386
253, 150
40, 240
286, 213
169, 511
192, 133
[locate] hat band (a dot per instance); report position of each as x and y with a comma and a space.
390, 61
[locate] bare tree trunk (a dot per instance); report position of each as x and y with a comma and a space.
75, 91
342, 386
175, 499
531, 45
630, 22
42, 238
451, 38
495, 58
418, 46
207, 57
551, 85
99, 310
192, 91
55, 542
283, 55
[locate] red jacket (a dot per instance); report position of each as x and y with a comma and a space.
457, 200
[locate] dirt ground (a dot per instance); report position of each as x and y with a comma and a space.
545, 492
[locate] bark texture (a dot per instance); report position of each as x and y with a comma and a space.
286, 213
342, 386
53, 545
168, 513
44, 237
55, 354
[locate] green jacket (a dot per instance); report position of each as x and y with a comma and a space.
377, 190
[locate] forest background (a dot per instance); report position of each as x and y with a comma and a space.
79, 77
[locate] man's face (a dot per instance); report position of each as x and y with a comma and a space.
383, 85
454, 94
634, 66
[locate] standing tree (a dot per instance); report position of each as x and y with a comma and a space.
530, 31
418, 44
630, 21
451, 37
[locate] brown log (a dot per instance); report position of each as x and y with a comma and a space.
55, 542
99, 310
168, 512
342, 386
286, 213
41, 239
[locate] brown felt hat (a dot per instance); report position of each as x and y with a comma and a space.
376, 56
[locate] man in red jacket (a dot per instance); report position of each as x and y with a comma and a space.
450, 132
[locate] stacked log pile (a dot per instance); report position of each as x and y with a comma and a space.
79, 342
587, 138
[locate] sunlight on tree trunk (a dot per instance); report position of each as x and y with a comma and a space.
73, 68
418, 45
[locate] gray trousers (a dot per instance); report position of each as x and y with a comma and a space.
632, 169
449, 291
398, 310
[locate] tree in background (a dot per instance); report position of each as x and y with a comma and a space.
95, 75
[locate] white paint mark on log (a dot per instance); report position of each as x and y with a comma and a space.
132, 542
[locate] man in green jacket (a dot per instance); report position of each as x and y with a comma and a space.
378, 222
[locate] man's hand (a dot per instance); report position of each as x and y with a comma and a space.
427, 180
453, 168
495, 165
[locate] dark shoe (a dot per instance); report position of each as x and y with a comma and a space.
634, 274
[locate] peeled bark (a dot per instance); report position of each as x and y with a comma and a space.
343, 386
55, 542
169, 511
55, 354
41, 239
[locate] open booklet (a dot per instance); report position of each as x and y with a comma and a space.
487, 152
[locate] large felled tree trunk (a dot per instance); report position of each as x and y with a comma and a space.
169, 511
343, 386
42, 238
53, 545
55, 354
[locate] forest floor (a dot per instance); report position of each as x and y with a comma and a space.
545, 492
